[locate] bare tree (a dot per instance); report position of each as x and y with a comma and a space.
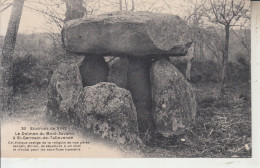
190, 55
75, 9
193, 18
4, 5
133, 5
214, 42
120, 5
244, 38
7, 57
226, 13
126, 3
243, 34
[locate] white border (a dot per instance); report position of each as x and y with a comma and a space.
130, 163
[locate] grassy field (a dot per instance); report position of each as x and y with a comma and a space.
222, 128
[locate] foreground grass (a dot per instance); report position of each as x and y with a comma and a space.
222, 127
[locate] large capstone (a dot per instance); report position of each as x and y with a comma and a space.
63, 91
174, 106
109, 111
135, 34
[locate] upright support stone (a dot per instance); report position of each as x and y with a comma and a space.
138, 82
118, 71
174, 106
93, 70
63, 91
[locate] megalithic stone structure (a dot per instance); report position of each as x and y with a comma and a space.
145, 39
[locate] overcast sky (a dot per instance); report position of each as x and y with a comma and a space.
35, 22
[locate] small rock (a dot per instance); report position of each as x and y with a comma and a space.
247, 147
164, 106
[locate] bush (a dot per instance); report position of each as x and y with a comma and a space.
21, 67
205, 71
209, 71
201, 71
238, 72
28, 71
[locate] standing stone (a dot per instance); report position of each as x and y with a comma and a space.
174, 105
93, 70
138, 83
109, 111
63, 91
118, 71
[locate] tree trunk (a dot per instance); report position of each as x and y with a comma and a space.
201, 50
120, 5
195, 51
190, 55
133, 5
74, 9
225, 60
126, 5
7, 58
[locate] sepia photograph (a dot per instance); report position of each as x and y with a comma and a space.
125, 79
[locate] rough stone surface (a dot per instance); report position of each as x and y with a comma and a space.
174, 106
93, 70
118, 71
135, 34
109, 111
63, 91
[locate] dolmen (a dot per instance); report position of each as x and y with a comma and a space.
125, 86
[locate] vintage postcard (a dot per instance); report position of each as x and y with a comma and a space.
129, 79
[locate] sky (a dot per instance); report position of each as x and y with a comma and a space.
35, 22
31, 21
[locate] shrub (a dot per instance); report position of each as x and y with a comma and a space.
201, 71
205, 71
21, 68
27, 71
209, 71
238, 72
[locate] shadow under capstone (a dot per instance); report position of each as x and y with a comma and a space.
139, 85
93, 70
